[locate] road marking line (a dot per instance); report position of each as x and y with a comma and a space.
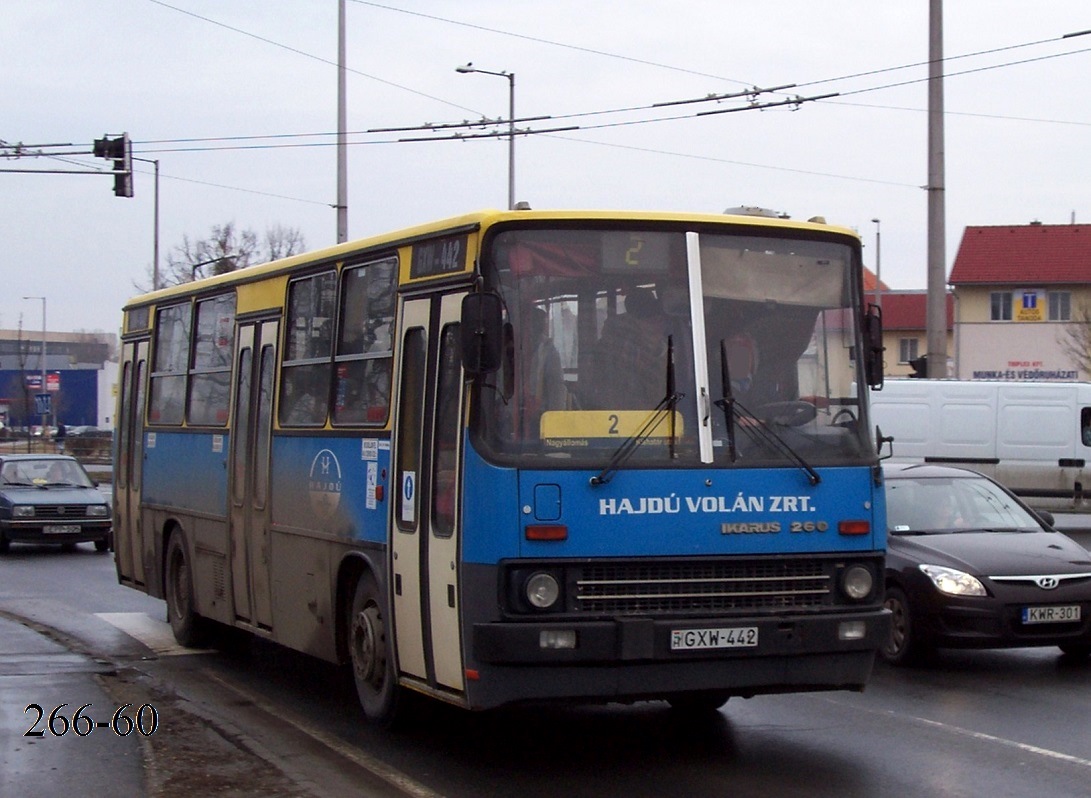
387, 773
989, 738
154, 634
1032, 749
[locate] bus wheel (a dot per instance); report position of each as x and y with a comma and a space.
369, 649
187, 625
700, 703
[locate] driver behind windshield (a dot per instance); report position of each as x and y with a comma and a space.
631, 355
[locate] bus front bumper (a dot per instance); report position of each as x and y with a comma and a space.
632, 659
677, 640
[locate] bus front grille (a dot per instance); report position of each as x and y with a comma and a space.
672, 587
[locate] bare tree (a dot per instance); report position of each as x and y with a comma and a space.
20, 394
100, 344
1075, 338
282, 242
226, 249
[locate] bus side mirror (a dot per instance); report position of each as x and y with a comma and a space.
873, 347
880, 441
482, 332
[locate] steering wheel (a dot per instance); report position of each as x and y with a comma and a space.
843, 416
789, 414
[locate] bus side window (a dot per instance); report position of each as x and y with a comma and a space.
445, 464
410, 415
365, 348
168, 386
305, 376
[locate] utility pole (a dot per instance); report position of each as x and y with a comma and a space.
878, 264
936, 313
155, 229
342, 127
510, 77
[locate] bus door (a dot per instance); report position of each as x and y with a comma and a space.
129, 467
255, 364
427, 467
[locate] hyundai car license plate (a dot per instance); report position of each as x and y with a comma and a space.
1065, 614
730, 637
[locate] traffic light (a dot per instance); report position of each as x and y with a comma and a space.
121, 151
919, 366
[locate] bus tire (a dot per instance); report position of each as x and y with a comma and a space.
704, 702
371, 655
189, 628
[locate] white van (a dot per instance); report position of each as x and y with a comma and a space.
1033, 437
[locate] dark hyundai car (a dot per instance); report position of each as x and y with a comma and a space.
970, 566
48, 498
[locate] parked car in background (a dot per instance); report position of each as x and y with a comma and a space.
970, 566
51, 499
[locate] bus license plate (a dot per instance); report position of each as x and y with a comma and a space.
61, 529
1065, 614
730, 637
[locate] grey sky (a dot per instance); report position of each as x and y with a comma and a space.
1017, 126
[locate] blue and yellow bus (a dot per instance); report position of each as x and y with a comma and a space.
520, 456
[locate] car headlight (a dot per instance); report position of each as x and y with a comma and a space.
542, 590
98, 511
22, 511
952, 582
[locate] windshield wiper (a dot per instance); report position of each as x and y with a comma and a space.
655, 418
757, 429
727, 402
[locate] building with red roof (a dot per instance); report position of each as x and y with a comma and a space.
1022, 299
905, 334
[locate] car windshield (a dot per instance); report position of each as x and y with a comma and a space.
929, 504
45, 472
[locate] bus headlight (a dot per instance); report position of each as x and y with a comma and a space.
857, 582
542, 590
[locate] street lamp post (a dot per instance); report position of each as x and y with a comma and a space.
155, 238
511, 123
878, 266
43, 389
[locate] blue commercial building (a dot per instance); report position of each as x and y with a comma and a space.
81, 378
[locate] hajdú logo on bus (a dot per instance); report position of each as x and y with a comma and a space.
324, 485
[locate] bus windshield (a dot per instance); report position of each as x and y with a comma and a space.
710, 347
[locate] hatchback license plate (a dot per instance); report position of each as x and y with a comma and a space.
1065, 614
730, 637
61, 529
